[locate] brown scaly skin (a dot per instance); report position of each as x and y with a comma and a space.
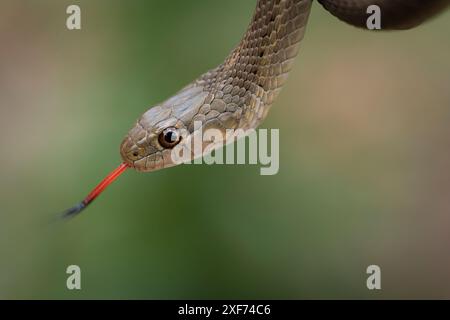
396, 14
239, 92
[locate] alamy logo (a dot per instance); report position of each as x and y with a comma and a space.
73, 21
374, 280
374, 20
74, 280
209, 146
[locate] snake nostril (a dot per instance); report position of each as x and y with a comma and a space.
135, 154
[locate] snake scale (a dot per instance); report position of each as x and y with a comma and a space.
238, 93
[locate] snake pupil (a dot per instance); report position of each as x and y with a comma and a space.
170, 137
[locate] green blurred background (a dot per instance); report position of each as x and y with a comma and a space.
364, 166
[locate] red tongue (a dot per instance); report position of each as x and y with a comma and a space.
96, 191
105, 182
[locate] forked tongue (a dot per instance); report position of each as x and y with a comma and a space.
95, 192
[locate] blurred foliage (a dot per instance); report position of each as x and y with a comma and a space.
363, 167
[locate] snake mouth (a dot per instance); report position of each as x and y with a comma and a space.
130, 152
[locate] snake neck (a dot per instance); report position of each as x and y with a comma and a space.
251, 77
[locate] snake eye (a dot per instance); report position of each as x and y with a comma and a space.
169, 137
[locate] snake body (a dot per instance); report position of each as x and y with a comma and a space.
238, 93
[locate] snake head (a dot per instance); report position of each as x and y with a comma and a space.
149, 144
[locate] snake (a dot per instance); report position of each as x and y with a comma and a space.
238, 93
